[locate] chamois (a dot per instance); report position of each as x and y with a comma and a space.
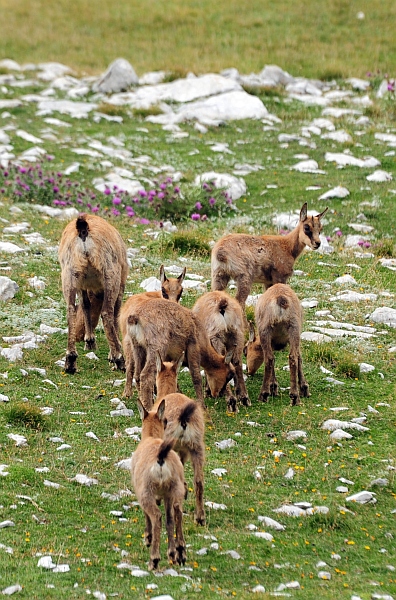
223, 320
171, 289
94, 264
158, 474
265, 259
164, 327
185, 424
279, 317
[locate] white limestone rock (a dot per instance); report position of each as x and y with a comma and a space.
8, 288
337, 192
234, 186
384, 315
119, 76
379, 176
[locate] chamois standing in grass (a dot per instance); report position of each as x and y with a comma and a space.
223, 320
171, 289
94, 265
265, 259
164, 327
185, 424
279, 317
158, 474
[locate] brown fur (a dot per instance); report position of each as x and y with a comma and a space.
94, 268
164, 327
279, 317
171, 289
186, 424
223, 320
157, 474
265, 259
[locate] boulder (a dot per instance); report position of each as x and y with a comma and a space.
119, 76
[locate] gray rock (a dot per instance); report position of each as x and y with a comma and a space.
384, 315
8, 288
119, 77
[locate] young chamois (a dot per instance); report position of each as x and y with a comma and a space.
171, 289
265, 259
223, 320
164, 327
279, 317
94, 264
158, 474
185, 424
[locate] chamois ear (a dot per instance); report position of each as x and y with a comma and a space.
252, 333
228, 356
162, 275
303, 212
161, 410
179, 363
158, 362
322, 213
182, 275
142, 411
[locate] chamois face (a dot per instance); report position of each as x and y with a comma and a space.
171, 289
254, 355
217, 382
310, 228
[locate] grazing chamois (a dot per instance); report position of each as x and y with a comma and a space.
171, 289
185, 423
265, 259
158, 474
223, 320
94, 264
279, 317
164, 327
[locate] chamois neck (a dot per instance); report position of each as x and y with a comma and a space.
152, 428
164, 388
210, 359
293, 238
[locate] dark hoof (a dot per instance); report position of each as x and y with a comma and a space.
232, 405
245, 400
263, 397
274, 389
153, 564
304, 390
90, 344
200, 520
181, 555
70, 363
295, 399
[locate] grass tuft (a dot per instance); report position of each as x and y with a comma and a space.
187, 242
147, 112
27, 415
112, 110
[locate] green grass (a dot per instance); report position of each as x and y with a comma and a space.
73, 523
323, 39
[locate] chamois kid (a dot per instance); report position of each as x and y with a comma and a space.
279, 317
94, 265
158, 474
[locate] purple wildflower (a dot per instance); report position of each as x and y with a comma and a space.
198, 205
195, 217
116, 200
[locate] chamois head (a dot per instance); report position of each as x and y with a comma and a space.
167, 372
153, 422
219, 377
171, 289
310, 228
253, 352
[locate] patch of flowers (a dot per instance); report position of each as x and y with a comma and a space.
36, 184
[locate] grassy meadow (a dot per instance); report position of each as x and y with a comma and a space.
98, 530
322, 39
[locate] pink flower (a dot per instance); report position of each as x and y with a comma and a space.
339, 233
212, 201
116, 200
198, 205
195, 217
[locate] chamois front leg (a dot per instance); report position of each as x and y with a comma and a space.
193, 357
148, 532
197, 460
170, 528
115, 354
270, 385
147, 382
240, 387
71, 352
244, 286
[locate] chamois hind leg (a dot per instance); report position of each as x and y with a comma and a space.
180, 543
170, 528
293, 364
115, 354
270, 385
147, 382
304, 387
197, 460
148, 532
129, 367
193, 357
231, 400
70, 294
244, 286
240, 387
220, 280
154, 514
89, 335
